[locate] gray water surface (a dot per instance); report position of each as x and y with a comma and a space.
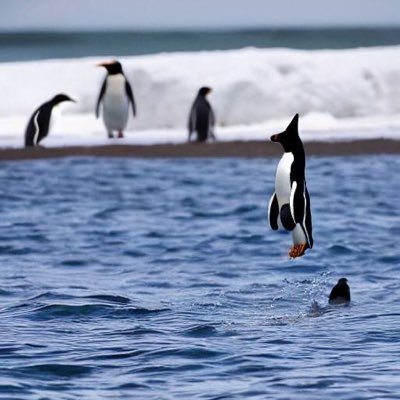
23, 46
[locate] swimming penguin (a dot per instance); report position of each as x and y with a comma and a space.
201, 117
39, 123
115, 96
289, 207
340, 293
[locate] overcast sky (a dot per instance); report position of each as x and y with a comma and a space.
162, 14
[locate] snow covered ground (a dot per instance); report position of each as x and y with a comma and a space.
340, 95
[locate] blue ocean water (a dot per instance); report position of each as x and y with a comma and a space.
159, 279
22, 46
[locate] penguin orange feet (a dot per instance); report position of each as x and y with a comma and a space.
297, 250
120, 135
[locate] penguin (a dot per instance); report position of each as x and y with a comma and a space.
289, 206
202, 117
340, 293
39, 123
115, 96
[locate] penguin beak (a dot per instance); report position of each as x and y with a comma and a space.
106, 63
72, 100
275, 138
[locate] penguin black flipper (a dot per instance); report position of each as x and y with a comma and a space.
301, 211
38, 125
129, 93
273, 212
308, 223
286, 217
101, 94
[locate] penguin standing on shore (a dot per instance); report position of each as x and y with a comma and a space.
340, 294
115, 96
39, 123
202, 117
289, 207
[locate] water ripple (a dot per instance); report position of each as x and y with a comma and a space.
64, 371
160, 279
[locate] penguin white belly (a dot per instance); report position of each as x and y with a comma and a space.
282, 179
115, 104
298, 235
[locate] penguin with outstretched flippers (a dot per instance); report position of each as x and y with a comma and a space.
289, 207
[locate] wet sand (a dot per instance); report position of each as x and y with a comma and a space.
219, 149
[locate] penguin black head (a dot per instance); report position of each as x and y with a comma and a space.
289, 138
59, 98
204, 91
112, 67
340, 293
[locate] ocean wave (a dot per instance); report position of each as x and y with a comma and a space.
108, 308
254, 90
55, 370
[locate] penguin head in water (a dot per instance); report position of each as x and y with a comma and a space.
340, 294
289, 138
59, 98
204, 91
113, 67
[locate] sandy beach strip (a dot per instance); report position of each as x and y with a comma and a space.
219, 149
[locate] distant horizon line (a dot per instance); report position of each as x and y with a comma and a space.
200, 29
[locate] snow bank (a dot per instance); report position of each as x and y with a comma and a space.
355, 91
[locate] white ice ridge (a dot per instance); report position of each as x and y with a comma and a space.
350, 93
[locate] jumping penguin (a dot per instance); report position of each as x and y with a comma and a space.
39, 123
289, 207
202, 117
340, 293
115, 96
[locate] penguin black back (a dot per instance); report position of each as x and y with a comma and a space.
39, 122
201, 118
291, 143
340, 294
